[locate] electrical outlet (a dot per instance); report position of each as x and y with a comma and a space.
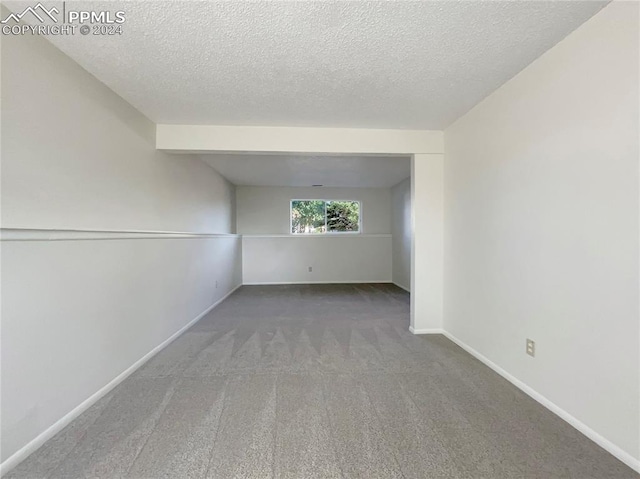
531, 347
216, 284
310, 269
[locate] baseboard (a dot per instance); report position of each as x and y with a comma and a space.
260, 283
408, 290
20, 455
604, 443
425, 331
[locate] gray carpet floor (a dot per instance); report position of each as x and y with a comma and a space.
317, 381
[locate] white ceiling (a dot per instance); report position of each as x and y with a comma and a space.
367, 64
307, 170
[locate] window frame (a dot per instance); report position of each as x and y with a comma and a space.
326, 232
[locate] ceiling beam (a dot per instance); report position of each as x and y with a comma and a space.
212, 138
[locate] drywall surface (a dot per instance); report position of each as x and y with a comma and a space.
272, 255
204, 138
333, 259
541, 194
401, 233
77, 156
427, 247
76, 313
265, 210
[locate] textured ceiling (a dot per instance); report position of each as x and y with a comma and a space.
308, 170
363, 63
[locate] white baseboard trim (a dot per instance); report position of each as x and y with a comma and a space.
20, 455
604, 443
402, 287
267, 283
425, 331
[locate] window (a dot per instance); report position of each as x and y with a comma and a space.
325, 216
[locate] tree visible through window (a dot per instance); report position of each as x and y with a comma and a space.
325, 216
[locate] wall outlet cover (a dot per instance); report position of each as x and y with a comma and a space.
531, 347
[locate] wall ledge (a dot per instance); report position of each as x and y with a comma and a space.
40, 234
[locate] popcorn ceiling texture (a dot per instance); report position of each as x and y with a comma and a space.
343, 64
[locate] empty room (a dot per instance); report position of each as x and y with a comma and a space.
320, 239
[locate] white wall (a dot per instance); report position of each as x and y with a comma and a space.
264, 210
427, 247
76, 313
333, 259
272, 255
77, 156
401, 233
541, 194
